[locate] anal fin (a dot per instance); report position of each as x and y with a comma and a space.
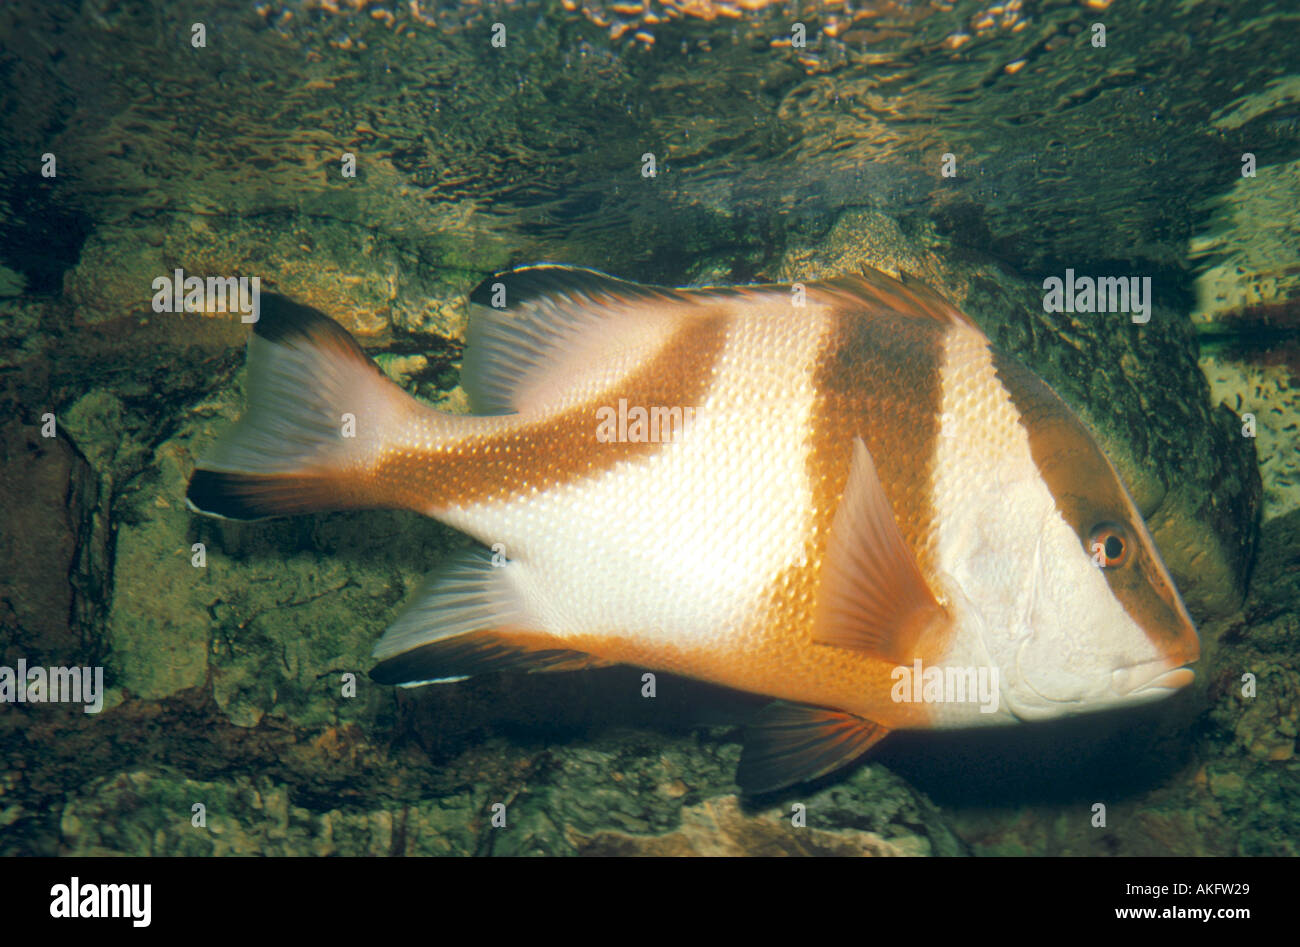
481, 652
469, 620
793, 743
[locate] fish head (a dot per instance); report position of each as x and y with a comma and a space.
1093, 619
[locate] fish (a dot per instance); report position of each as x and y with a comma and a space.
837, 495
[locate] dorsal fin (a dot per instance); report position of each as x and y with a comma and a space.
538, 334
873, 596
908, 296
532, 329
792, 743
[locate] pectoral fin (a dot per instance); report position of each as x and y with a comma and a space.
873, 596
793, 743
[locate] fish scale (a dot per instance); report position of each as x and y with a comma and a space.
686, 538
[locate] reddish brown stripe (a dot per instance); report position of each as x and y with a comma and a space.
1088, 492
563, 448
879, 379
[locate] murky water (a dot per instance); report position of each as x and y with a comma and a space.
1062, 149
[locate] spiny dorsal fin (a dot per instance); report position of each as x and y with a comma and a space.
537, 333
552, 322
793, 743
873, 596
907, 295
466, 620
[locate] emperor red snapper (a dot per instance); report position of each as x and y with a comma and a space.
845, 499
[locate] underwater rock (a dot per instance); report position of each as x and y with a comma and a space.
1247, 249
872, 812
378, 287
1267, 726
47, 485
620, 794
1264, 389
640, 793
142, 813
719, 827
159, 629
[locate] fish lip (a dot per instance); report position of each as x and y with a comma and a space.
1134, 683
1151, 678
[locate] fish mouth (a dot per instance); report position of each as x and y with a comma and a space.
1151, 679
1132, 684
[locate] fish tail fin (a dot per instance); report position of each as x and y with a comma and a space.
319, 413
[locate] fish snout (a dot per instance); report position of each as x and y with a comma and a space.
1151, 679
1053, 691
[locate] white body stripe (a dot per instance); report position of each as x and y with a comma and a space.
642, 551
990, 495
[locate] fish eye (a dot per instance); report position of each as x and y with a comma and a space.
1109, 545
